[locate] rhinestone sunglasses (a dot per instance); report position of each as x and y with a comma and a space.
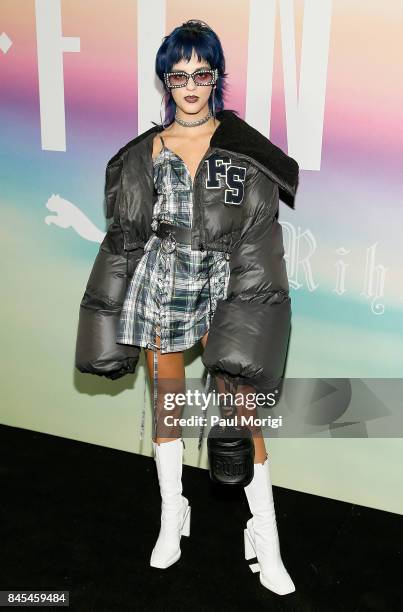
181, 78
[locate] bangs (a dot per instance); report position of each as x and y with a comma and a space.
183, 47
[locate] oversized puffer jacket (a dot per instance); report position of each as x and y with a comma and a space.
235, 209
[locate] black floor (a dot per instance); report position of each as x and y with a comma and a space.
84, 518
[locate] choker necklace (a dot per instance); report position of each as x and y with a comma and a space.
193, 123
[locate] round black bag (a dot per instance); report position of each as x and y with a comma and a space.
231, 456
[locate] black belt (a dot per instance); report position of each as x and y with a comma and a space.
181, 235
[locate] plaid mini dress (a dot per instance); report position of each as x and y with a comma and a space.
177, 291
172, 290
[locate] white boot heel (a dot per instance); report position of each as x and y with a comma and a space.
249, 550
185, 531
261, 535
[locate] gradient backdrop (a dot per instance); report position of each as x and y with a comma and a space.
323, 81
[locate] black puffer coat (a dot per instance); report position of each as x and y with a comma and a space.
236, 207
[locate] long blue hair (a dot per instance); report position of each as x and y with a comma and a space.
178, 45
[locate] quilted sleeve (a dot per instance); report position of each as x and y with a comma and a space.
250, 329
100, 308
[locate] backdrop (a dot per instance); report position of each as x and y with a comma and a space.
321, 80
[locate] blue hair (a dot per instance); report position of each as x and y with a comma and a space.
178, 45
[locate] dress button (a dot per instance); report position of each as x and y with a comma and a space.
227, 256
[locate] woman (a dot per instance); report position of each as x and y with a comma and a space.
203, 262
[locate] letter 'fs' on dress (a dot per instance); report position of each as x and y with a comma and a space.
177, 290
235, 210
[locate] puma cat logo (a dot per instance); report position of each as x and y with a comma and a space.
220, 169
68, 214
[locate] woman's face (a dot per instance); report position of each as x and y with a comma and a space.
201, 92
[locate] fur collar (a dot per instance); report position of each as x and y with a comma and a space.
235, 134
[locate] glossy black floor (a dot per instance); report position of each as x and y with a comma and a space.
84, 518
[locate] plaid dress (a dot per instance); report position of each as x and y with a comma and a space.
172, 290
176, 291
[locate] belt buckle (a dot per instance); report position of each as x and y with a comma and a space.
168, 243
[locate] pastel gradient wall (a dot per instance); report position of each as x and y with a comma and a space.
322, 79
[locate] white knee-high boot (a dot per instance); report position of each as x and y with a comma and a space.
261, 535
175, 509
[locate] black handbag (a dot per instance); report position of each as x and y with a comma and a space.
231, 455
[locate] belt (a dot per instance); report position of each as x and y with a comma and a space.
172, 234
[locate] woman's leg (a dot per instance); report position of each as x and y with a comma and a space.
248, 408
261, 535
168, 454
171, 379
